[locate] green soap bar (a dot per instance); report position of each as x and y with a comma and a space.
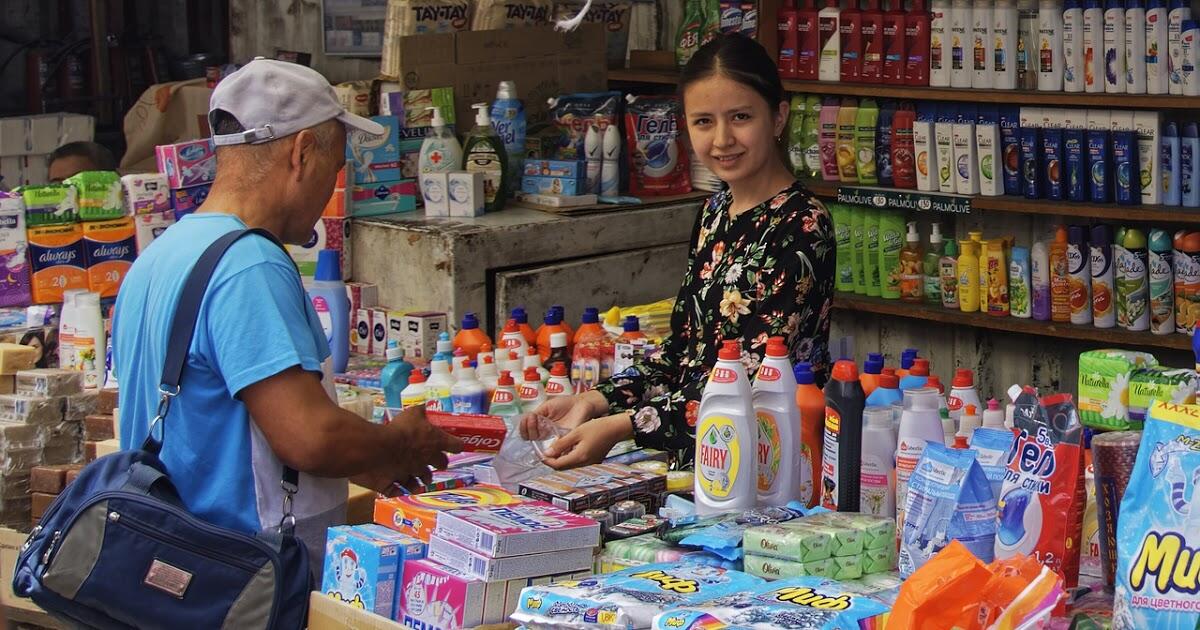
846, 568
776, 569
795, 543
877, 531
878, 561
846, 541
98, 195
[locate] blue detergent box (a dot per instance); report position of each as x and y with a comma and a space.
363, 565
574, 169
551, 185
375, 158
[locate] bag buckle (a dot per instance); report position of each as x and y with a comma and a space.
287, 525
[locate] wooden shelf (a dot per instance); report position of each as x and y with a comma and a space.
1156, 214
926, 312
1021, 97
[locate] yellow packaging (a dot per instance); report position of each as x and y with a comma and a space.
996, 278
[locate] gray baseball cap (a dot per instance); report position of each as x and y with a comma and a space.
273, 99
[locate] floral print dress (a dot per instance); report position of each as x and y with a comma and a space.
767, 272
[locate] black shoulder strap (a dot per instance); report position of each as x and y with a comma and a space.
183, 328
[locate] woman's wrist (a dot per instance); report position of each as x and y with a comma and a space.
620, 426
596, 402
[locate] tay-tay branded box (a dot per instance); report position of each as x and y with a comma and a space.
502, 531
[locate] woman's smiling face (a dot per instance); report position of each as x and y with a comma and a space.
732, 127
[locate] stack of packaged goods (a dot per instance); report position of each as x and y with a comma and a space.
27, 141
46, 482
190, 168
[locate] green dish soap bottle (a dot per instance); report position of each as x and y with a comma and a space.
483, 152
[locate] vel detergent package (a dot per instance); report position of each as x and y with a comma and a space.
658, 162
1041, 504
1104, 377
575, 114
1158, 532
805, 603
627, 599
949, 498
98, 194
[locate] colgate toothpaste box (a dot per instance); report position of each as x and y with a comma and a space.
187, 163
501, 531
479, 433
416, 515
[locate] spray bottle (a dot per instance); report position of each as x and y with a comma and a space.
842, 452
810, 401
778, 453
726, 438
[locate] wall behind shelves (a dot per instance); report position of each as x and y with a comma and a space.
259, 28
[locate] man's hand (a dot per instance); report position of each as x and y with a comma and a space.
417, 445
568, 412
589, 443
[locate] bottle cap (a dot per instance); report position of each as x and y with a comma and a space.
417, 377
993, 404
963, 377
437, 121
470, 322
920, 367
776, 347
876, 416
487, 358
889, 381
510, 326
935, 383
631, 324
531, 375
889, 370
506, 90
803, 373
873, 364
482, 119
559, 369
731, 350
505, 380
845, 370
591, 316
394, 351
960, 441
519, 314
558, 340
970, 410
485, 347
329, 266
907, 357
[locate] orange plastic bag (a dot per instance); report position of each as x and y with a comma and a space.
944, 594
1010, 577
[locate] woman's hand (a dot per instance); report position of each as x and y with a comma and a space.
568, 412
589, 443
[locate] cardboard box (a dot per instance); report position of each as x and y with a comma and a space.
362, 567
379, 331
187, 163
479, 433
430, 590
548, 62
390, 197
596, 486
372, 159
572, 169
360, 334
327, 613
419, 333
10, 547
435, 194
185, 201
513, 530
465, 192
480, 566
551, 186
150, 226
416, 515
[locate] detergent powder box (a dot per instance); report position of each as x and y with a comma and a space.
511, 530
435, 597
58, 262
14, 285
373, 158
478, 565
146, 193
148, 227
185, 201
416, 515
109, 248
369, 200
187, 163
363, 568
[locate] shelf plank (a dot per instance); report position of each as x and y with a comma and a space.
1111, 212
1022, 97
931, 313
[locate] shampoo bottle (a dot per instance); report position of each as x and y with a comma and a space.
810, 137
895, 54
1060, 278
912, 277
1075, 177
789, 40
983, 58
1020, 283
1099, 155
891, 241
828, 138
829, 29
808, 52
1157, 81
1010, 148
961, 72
884, 137
965, 157
918, 46
1050, 46
904, 168
872, 43
1104, 314
1032, 152
939, 44
1079, 273
925, 147
1039, 264
1189, 47
968, 277
948, 275
1179, 12
847, 130
1005, 24
1135, 47
997, 279
727, 438
865, 123
1073, 59
943, 131
858, 245
778, 452
1114, 46
1093, 46
484, 152
871, 274
1170, 165
842, 228
1027, 45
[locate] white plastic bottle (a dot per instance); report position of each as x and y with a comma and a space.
1073, 59
778, 452
88, 340
511, 340
1135, 47
961, 21
1005, 25
920, 424
504, 400
467, 395
1050, 46
1093, 46
610, 173
534, 360
994, 416
437, 388
983, 55
531, 392
1189, 45
66, 330
440, 151
969, 421
487, 371
1157, 47
559, 384
877, 483
962, 393
829, 28
1114, 47
414, 394
726, 438
1179, 12
593, 148
939, 38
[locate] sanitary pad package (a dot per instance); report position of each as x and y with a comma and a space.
1158, 532
628, 599
805, 603
14, 261
1148, 384
146, 193
949, 498
1104, 377
1041, 504
98, 194
188, 163
51, 204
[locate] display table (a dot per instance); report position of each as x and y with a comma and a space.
525, 257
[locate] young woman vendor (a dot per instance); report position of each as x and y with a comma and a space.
761, 265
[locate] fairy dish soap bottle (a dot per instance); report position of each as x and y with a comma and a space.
726, 438
440, 151
484, 152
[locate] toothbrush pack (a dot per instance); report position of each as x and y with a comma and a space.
1040, 507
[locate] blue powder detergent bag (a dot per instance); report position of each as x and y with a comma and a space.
949, 498
805, 603
1158, 530
1041, 504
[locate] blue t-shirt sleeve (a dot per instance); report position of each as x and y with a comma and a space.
261, 326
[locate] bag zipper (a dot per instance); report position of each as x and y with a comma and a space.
162, 536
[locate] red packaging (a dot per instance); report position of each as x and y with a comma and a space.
850, 30
658, 162
788, 40
916, 44
479, 433
904, 165
1041, 504
808, 42
872, 43
894, 53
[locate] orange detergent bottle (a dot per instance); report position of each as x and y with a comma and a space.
470, 338
811, 401
592, 360
872, 368
551, 324
519, 315
632, 329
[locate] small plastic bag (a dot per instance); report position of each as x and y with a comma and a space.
520, 459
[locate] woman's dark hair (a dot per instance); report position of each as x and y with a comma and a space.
739, 58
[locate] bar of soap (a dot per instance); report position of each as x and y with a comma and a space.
776, 569
878, 560
80, 406
97, 428
31, 409
798, 544
50, 479
845, 567
14, 357
108, 400
20, 435
846, 542
49, 382
877, 532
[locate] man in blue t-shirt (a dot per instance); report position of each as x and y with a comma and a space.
257, 391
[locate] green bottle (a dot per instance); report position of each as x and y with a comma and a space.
845, 250
871, 250
857, 235
795, 144
891, 241
483, 152
864, 142
810, 136
933, 255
